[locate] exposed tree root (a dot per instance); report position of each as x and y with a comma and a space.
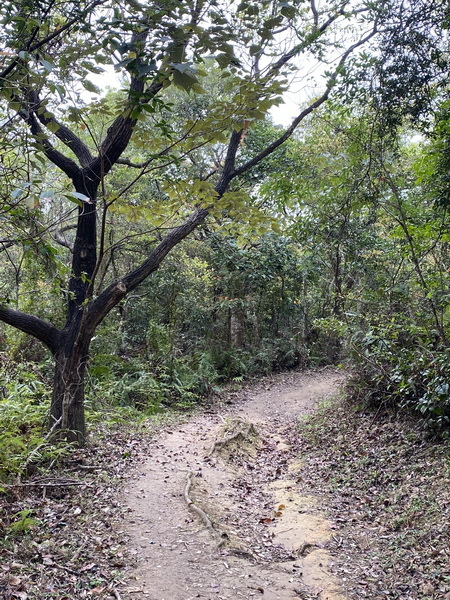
198, 511
220, 535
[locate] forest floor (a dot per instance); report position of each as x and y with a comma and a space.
277, 491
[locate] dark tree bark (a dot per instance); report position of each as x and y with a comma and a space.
67, 407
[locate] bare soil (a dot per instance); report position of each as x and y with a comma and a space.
219, 511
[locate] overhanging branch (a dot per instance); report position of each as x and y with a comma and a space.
309, 109
38, 328
120, 288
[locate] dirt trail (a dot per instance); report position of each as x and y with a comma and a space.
262, 534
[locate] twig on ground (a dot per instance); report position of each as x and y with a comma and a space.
46, 484
222, 536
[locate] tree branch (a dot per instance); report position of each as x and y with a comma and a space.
63, 133
40, 329
315, 13
120, 288
228, 171
101, 306
295, 123
5, 244
67, 165
316, 33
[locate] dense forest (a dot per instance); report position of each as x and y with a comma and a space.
161, 235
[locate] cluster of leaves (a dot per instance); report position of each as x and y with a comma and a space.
399, 368
368, 216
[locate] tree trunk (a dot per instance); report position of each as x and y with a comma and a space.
237, 327
67, 407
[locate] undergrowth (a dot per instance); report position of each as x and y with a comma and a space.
400, 369
386, 485
24, 406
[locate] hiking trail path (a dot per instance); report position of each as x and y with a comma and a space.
218, 511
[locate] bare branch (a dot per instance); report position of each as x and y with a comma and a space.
296, 50
38, 328
5, 244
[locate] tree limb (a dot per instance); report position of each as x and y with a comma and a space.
5, 244
66, 135
300, 47
309, 109
40, 329
315, 13
228, 171
101, 306
120, 288
67, 165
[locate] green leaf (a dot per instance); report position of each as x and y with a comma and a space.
47, 65
77, 198
145, 69
288, 11
254, 49
184, 80
53, 126
90, 87
49, 194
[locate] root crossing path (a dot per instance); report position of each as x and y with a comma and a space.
218, 510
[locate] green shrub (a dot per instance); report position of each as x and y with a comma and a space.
398, 367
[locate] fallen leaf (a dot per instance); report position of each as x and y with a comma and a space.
97, 591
